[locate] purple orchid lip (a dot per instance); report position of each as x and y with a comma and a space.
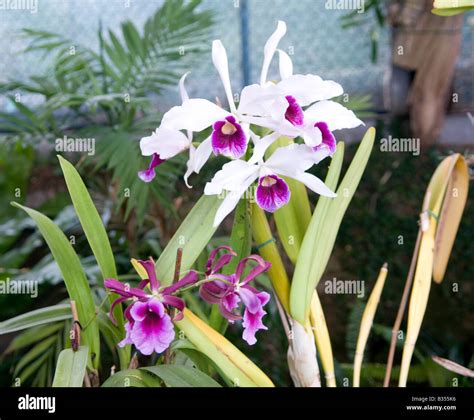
228, 138
149, 174
294, 113
234, 290
272, 193
149, 328
329, 140
150, 316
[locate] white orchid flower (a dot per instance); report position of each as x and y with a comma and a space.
279, 106
231, 133
272, 191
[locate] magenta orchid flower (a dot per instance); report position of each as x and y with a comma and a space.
272, 191
149, 325
228, 291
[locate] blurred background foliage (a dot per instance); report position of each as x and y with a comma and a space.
112, 94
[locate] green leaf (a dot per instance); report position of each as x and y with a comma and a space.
90, 219
182, 376
96, 236
74, 278
193, 235
293, 219
322, 232
452, 7
451, 11
35, 352
32, 336
71, 368
241, 235
136, 378
37, 317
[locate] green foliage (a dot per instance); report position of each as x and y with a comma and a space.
192, 236
71, 368
34, 318
74, 278
182, 376
161, 376
321, 234
108, 90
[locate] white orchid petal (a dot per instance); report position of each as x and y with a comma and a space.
291, 159
197, 158
270, 48
182, 89
165, 142
231, 199
314, 184
282, 127
312, 135
193, 115
228, 204
190, 165
230, 177
201, 154
219, 58
261, 146
320, 154
333, 114
255, 99
285, 64
309, 88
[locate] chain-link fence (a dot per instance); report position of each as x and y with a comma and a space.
315, 40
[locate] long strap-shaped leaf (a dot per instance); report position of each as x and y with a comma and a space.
293, 219
321, 234
90, 220
268, 250
452, 7
323, 340
237, 368
96, 236
450, 213
447, 194
182, 376
35, 318
71, 368
366, 323
74, 278
192, 236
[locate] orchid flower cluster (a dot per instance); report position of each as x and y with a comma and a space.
298, 107
153, 308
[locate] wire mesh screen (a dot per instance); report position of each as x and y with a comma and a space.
315, 41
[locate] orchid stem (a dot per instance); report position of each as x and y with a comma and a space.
402, 307
177, 269
262, 233
76, 329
